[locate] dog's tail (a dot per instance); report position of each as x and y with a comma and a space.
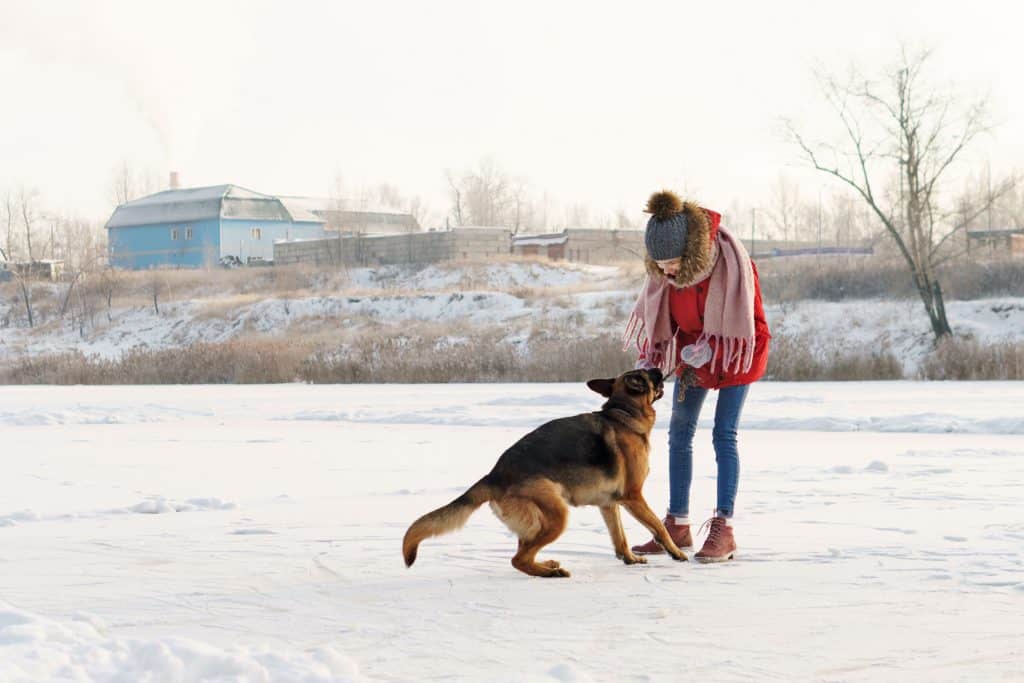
445, 519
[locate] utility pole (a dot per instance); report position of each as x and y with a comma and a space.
988, 197
753, 227
819, 223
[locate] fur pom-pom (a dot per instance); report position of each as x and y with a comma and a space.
664, 204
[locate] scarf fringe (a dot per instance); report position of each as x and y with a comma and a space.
633, 333
663, 357
735, 353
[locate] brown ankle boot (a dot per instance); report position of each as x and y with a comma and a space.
679, 533
720, 545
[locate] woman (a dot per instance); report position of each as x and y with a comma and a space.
700, 316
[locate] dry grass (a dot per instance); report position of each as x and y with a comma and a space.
223, 307
385, 358
235, 362
381, 354
958, 359
487, 359
864, 277
790, 359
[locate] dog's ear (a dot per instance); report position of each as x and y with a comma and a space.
636, 384
656, 375
602, 386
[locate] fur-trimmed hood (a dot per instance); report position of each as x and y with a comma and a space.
699, 253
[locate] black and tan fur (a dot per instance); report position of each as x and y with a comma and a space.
598, 458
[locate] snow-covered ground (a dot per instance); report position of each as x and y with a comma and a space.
253, 533
518, 298
899, 326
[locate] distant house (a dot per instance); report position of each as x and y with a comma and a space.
551, 245
1002, 240
583, 245
40, 269
200, 226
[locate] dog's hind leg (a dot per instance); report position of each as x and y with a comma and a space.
538, 516
614, 523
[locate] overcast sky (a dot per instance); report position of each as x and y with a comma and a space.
593, 105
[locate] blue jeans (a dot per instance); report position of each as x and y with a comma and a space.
681, 429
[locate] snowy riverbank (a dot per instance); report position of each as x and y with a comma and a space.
254, 532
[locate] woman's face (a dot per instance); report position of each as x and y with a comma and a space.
670, 267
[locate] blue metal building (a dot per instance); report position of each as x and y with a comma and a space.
199, 226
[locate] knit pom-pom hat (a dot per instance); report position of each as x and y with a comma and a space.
667, 228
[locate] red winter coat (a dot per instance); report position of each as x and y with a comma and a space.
687, 306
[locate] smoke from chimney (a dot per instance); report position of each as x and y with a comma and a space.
174, 180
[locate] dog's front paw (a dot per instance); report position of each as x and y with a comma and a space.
633, 559
681, 557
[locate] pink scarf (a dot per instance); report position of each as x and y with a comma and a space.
728, 314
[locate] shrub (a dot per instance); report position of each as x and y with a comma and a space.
791, 358
964, 359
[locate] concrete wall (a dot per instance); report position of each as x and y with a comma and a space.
319, 252
604, 246
477, 244
473, 244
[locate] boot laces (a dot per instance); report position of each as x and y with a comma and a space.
713, 529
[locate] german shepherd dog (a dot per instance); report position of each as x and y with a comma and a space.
597, 458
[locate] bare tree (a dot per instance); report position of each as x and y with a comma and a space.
994, 206
522, 211
418, 209
488, 194
786, 212
623, 221
844, 219
23, 276
156, 286
577, 216
29, 217
388, 196
458, 211
76, 272
87, 295
902, 131
127, 183
24, 208
109, 284
482, 196
10, 221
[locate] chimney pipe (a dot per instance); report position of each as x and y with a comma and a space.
174, 180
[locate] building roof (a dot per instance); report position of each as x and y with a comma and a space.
336, 214
994, 232
201, 203
483, 228
541, 240
304, 206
